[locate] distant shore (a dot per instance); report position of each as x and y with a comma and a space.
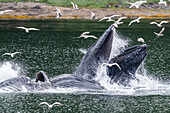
32, 10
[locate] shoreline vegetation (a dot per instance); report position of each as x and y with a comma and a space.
46, 9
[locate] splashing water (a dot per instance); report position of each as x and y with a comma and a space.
7, 72
118, 43
144, 84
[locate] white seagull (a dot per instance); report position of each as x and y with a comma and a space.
11, 54
116, 23
160, 33
27, 29
136, 4
93, 16
50, 106
110, 65
136, 20
58, 13
75, 7
87, 36
141, 40
109, 18
160, 24
1, 12
162, 2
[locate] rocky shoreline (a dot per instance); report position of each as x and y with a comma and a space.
32, 10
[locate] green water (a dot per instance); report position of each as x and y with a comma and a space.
54, 49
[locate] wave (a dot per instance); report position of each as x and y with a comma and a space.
7, 71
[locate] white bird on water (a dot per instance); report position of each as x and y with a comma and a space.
110, 65
75, 7
160, 33
136, 20
109, 18
136, 4
11, 54
87, 36
162, 2
1, 12
27, 29
93, 15
58, 13
160, 24
141, 40
50, 106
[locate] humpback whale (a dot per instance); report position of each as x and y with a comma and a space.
128, 59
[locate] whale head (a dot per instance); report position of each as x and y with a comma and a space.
129, 61
99, 52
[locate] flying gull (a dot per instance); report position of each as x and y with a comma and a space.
93, 16
162, 2
58, 13
1, 12
27, 29
136, 20
160, 24
75, 7
116, 23
160, 33
85, 35
109, 18
141, 40
136, 4
50, 106
11, 54
110, 65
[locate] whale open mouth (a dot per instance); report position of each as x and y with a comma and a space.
129, 61
99, 52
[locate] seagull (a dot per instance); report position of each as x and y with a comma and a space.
1, 12
50, 106
160, 33
27, 29
160, 24
75, 7
84, 51
116, 23
93, 16
58, 13
136, 4
110, 65
109, 18
136, 20
11, 54
162, 2
85, 35
141, 40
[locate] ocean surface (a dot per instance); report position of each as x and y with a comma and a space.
56, 50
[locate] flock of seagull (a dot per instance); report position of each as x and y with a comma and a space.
86, 34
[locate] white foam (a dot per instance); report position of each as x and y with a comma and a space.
7, 72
